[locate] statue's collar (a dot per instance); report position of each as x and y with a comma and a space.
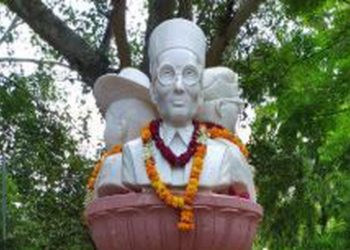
168, 132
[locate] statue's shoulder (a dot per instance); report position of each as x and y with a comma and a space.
225, 152
133, 148
217, 144
223, 145
134, 143
231, 147
112, 159
216, 149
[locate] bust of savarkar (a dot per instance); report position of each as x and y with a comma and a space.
175, 157
177, 63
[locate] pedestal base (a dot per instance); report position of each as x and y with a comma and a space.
140, 221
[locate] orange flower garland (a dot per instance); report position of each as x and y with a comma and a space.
213, 131
183, 203
92, 179
216, 131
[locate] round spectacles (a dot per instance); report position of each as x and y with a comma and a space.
167, 74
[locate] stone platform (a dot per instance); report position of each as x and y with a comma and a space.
140, 221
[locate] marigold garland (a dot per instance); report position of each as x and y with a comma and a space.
183, 203
92, 179
167, 153
213, 131
217, 131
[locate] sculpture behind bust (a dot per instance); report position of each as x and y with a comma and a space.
124, 120
125, 103
222, 105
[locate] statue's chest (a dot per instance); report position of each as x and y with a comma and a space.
215, 173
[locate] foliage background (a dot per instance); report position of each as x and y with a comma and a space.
293, 58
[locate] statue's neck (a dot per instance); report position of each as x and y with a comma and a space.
178, 125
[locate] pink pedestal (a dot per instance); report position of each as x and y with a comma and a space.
143, 222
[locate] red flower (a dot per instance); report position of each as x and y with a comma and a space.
167, 153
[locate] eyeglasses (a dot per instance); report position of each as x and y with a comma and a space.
167, 74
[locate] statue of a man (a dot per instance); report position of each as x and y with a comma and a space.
177, 60
125, 103
222, 105
221, 93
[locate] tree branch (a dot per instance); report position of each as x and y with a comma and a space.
104, 46
102, 7
30, 60
159, 11
185, 9
89, 62
119, 30
15, 22
229, 32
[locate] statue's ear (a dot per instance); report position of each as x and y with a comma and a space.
218, 108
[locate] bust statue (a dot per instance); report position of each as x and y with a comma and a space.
115, 94
186, 159
177, 61
221, 93
222, 105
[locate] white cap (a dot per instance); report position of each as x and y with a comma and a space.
129, 83
177, 33
220, 82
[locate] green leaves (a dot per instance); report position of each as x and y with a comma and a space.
298, 7
44, 166
300, 145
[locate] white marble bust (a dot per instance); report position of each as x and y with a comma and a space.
221, 93
177, 60
222, 105
124, 100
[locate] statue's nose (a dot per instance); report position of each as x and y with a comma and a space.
178, 86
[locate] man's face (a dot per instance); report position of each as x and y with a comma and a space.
176, 86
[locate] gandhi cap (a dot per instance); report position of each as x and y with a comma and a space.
177, 33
